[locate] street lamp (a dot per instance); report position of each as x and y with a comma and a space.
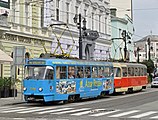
124, 39
149, 48
138, 49
80, 31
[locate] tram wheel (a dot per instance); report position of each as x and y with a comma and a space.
130, 90
103, 94
65, 101
71, 98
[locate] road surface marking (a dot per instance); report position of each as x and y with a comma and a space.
81, 113
143, 114
104, 113
19, 118
9, 108
124, 113
85, 112
155, 117
36, 110
17, 110
71, 111
51, 111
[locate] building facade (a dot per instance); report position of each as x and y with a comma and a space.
124, 7
22, 28
122, 21
143, 46
29, 24
97, 16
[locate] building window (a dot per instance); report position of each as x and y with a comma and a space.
26, 12
76, 9
67, 12
42, 16
105, 25
57, 3
13, 11
99, 23
1, 70
85, 12
92, 21
57, 10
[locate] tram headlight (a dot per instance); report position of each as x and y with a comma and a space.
24, 89
40, 89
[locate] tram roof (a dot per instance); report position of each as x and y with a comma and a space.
38, 61
128, 64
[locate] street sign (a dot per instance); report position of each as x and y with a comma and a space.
91, 34
19, 55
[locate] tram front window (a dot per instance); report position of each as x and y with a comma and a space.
39, 72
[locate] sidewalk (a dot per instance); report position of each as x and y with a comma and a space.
11, 100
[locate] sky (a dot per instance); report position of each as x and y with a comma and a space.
145, 15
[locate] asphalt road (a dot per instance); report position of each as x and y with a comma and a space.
137, 106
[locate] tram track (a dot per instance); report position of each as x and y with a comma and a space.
120, 101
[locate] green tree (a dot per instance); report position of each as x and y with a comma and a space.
150, 67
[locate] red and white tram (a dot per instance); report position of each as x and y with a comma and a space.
129, 77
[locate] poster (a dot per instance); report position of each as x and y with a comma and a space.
65, 87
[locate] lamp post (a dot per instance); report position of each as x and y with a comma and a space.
138, 49
80, 31
125, 47
149, 48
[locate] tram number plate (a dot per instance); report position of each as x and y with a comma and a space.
33, 88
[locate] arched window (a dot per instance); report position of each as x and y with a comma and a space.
27, 55
41, 55
12, 55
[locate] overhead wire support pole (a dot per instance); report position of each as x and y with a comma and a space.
149, 49
124, 34
80, 38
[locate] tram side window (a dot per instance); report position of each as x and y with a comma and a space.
71, 72
106, 72
94, 72
145, 71
61, 72
136, 72
80, 72
117, 72
129, 71
132, 71
124, 71
141, 72
87, 72
101, 72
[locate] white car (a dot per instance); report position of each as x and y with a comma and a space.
154, 82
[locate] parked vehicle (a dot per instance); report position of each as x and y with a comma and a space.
154, 82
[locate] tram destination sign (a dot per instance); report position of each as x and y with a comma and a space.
36, 62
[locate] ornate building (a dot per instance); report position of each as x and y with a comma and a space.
28, 23
97, 15
122, 20
22, 26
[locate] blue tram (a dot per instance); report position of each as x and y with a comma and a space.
66, 80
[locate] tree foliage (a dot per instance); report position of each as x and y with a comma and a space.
150, 65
